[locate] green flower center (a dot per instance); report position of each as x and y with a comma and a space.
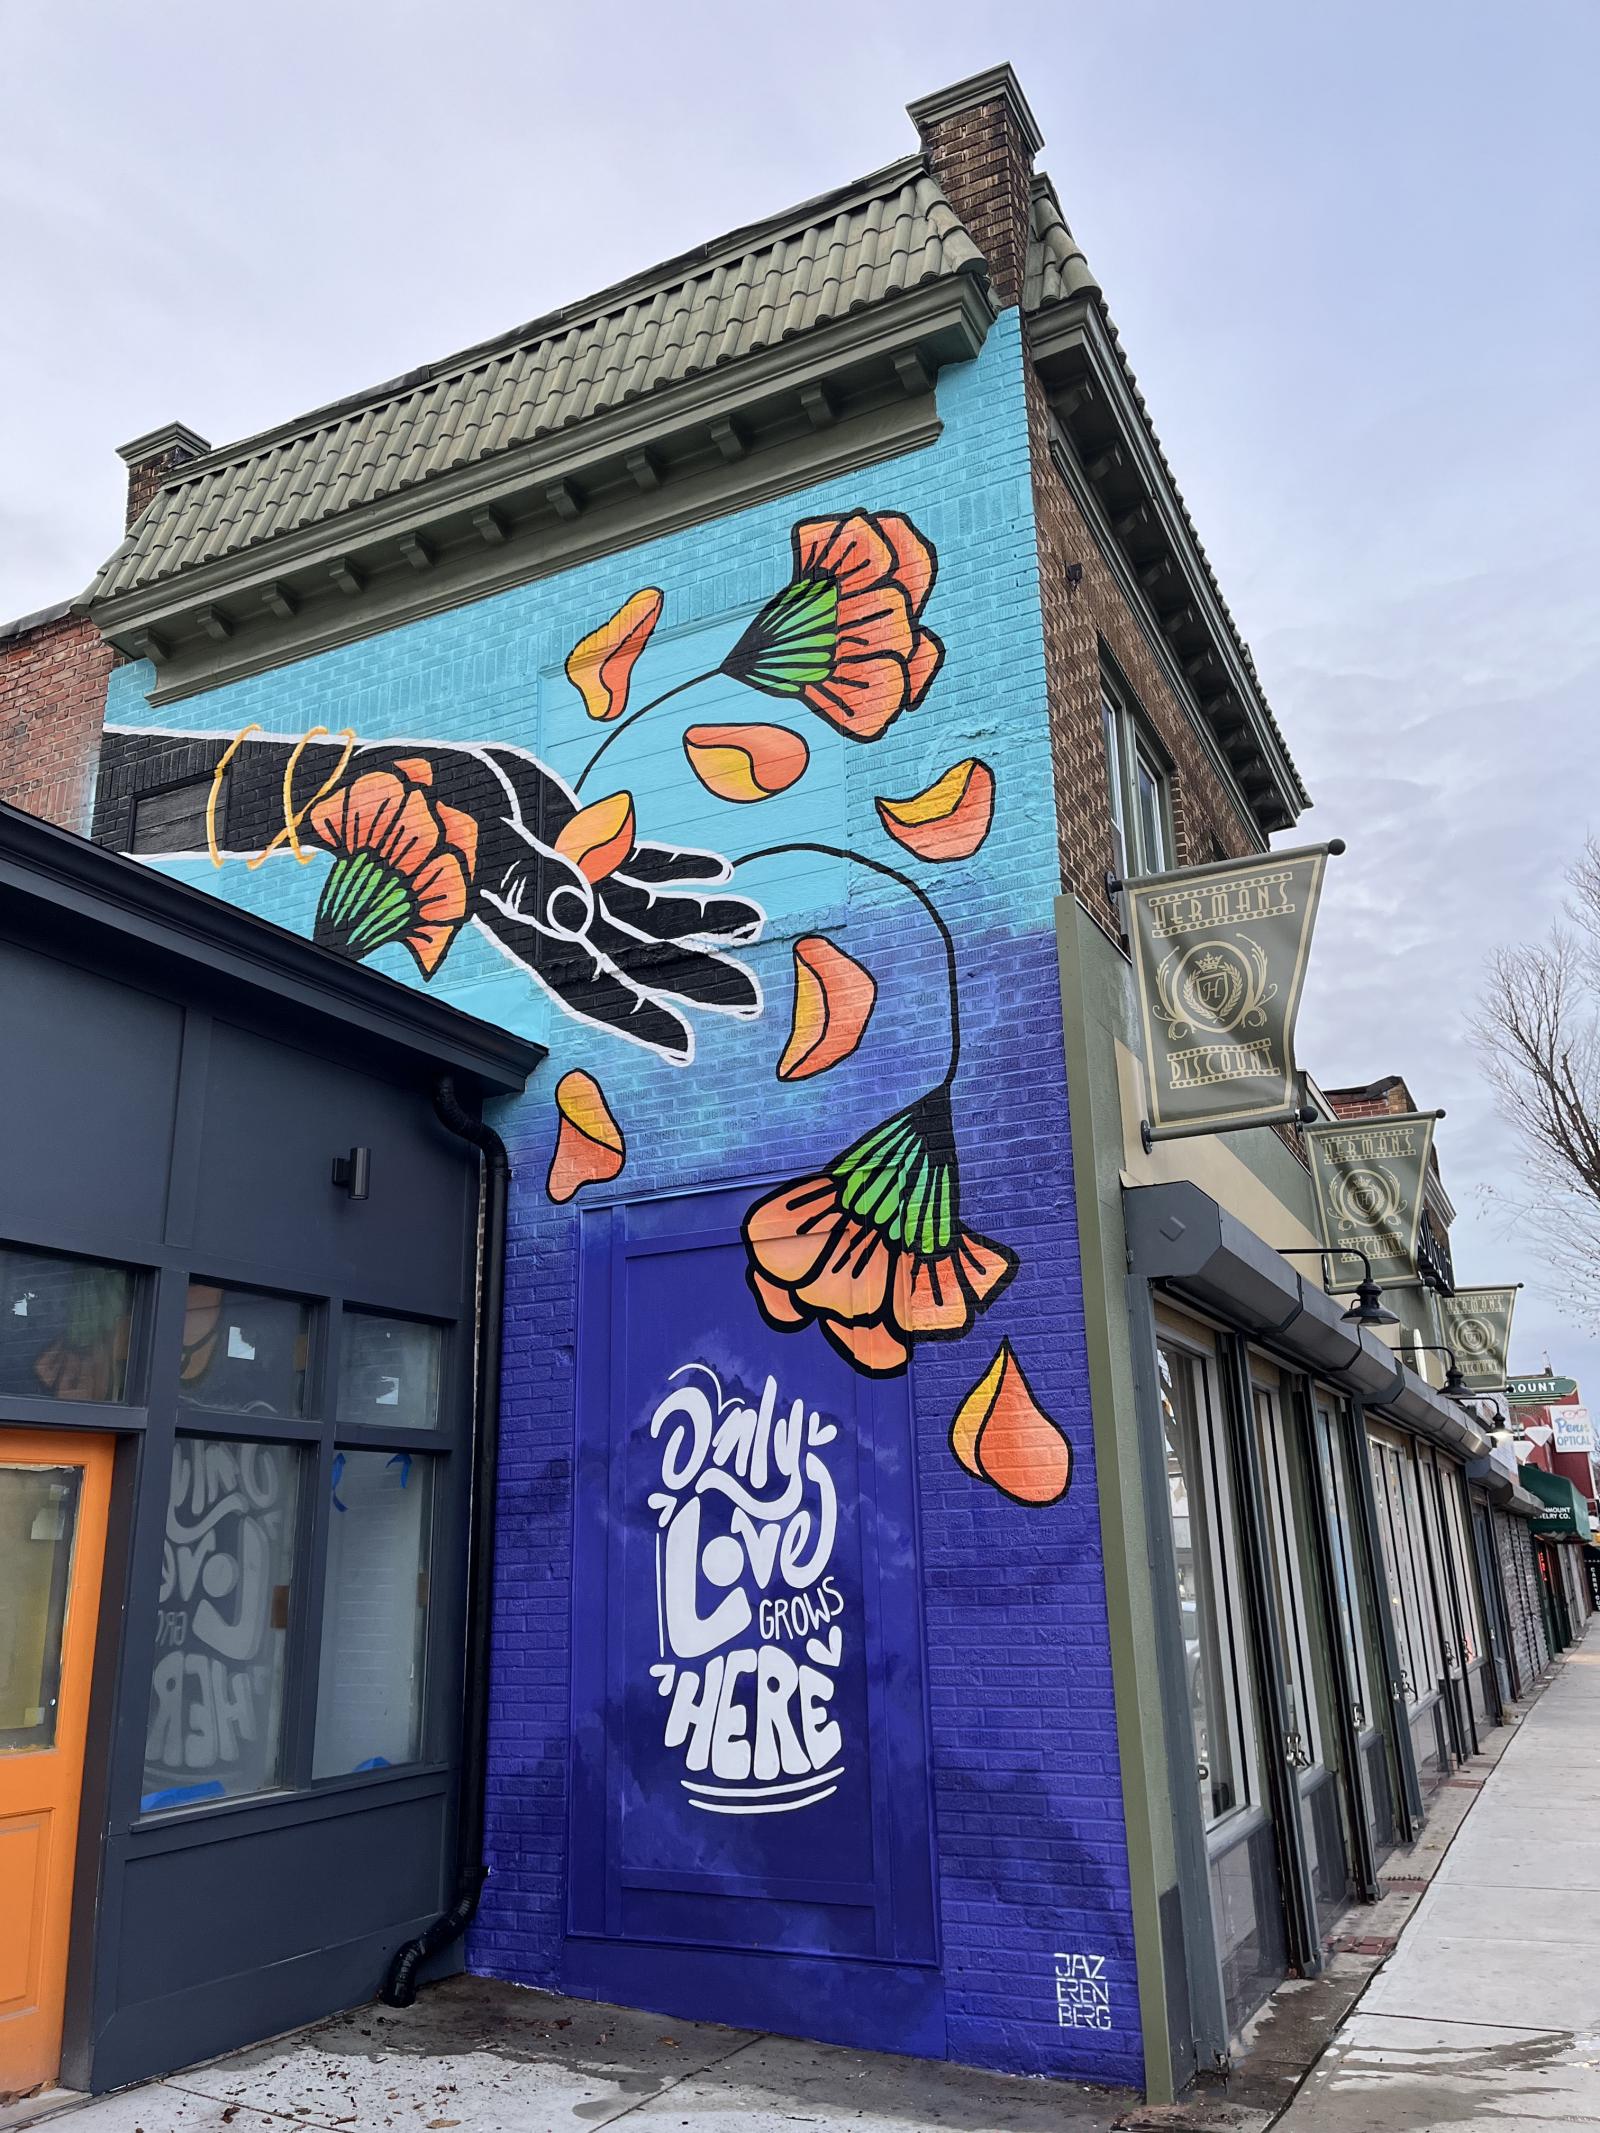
364, 904
901, 1178
790, 646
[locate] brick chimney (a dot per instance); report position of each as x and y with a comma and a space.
981, 140
153, 459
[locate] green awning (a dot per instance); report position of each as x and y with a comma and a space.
1566, 1514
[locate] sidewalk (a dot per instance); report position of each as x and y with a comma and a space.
1488, 2014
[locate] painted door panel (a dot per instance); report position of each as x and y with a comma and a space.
55, 1490
750, 1765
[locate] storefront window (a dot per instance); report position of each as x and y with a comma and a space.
1305, 1743
1347, 1584
388, 1372
244, 1353
374, 1613
64, 1327
1201, 1508
227, 1568
1461, 1554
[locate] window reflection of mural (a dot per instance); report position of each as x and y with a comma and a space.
216, 1688
244, 1353
64, 1327
632, 935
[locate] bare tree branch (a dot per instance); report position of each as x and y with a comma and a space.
1538, 1033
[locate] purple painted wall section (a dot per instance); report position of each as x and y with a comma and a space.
974, 1676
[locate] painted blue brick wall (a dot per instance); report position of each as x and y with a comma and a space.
1029, 1829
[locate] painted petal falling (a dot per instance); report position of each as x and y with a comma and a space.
746, 763
1003, 1436
601, 666
833, 1001
950, 819
589, 1145
599, 837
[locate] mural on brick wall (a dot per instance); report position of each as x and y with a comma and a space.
636, 934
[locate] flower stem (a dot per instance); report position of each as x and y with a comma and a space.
876, 866
633, 719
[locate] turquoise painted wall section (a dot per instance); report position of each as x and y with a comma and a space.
1037, 1960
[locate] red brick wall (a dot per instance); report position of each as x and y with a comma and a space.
981, 160
52, 704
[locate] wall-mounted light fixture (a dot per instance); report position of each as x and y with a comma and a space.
353, 1172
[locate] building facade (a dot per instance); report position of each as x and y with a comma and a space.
962, 1585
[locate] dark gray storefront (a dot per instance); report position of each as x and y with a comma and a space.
239, 1246
1328, 1647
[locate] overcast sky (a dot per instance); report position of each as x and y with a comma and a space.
1352, 253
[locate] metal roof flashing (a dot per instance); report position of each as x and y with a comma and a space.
1181, 1238
61, 895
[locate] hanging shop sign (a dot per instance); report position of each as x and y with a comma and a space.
1219, 956
1574, 1429
1369, 1176
1542, 1389
1477, 1326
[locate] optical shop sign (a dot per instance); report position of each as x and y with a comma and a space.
1219, 956
758, 1645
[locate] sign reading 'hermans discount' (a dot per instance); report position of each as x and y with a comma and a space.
1219, 954
1370, 1175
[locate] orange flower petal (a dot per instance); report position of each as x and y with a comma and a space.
851, 550
416, 767
746, 763
853, 1279
985, 1267
778, 1307
927, 657
929, 1297
878, 1351
915, 563
589, 1145
428, 943
1003, 1436
861, 696
601, 666
949, 819
599, 837
460, 830
875, 621
788, 1233
358, 814
833, 1001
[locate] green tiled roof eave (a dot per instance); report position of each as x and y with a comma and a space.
762, 287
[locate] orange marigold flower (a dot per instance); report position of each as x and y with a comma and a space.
601, 665
845, 634
403, 864
600, 836
1003, 1436
873, 1249
589, 1146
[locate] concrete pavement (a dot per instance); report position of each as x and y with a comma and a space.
1488, 2013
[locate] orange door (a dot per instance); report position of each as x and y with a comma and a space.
55, 1491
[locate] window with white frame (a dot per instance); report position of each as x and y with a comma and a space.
1138, 783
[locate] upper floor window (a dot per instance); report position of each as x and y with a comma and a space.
1139, 790
172, 820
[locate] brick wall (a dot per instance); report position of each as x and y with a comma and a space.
53, 672
1021, 1753
982, 157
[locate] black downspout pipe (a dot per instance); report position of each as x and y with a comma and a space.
400, 1986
